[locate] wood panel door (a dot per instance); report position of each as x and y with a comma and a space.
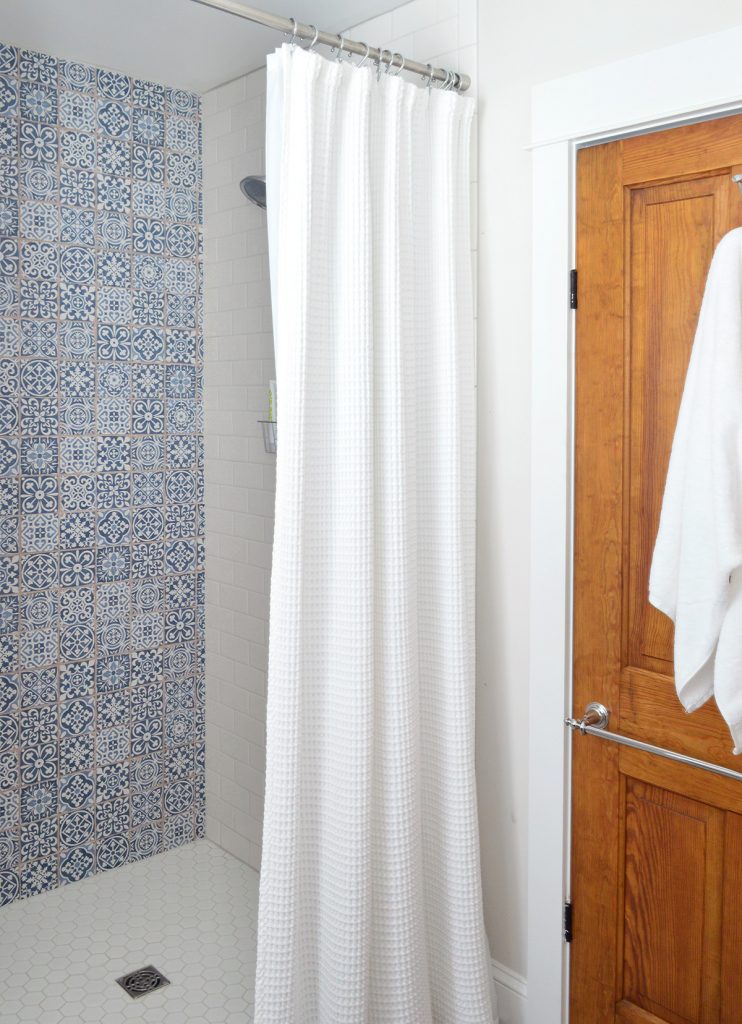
657, 846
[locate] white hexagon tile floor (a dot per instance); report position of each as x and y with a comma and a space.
191, 913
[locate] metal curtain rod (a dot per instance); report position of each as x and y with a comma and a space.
289, 25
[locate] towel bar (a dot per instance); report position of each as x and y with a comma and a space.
594, 723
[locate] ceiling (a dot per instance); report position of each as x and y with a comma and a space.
175, 42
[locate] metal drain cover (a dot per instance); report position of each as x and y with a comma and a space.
139, 983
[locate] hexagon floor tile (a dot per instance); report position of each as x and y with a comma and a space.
191, 912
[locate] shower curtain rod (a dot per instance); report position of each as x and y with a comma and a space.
290, 26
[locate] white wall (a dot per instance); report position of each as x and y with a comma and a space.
522, 45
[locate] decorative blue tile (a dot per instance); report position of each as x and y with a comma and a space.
77, 110
148, 94
114, 156
77, 76
78, 149
114, 193
149, 126
114, 85
78, 226
101, 471
39, 839
38, 220
9, 178
112, 852
8, 216
76, 864
38, 801
38, 67
9, 58
148, 163
75, 643
114, 118
77, 680
39, 764
37, 181
76, 791
39, 687
39, 102
8, 97
76, 754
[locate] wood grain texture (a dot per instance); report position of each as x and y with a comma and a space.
630, 1013
731, 965
650, 711
687, 152
597, 567
671, 238
672, 903
656, 845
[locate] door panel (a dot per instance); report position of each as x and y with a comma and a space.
671, 236
657, 846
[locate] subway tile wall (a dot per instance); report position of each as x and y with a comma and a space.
240, 476
101, 505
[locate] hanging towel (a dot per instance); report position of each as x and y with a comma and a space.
696, 575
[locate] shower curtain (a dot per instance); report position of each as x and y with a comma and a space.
370, 901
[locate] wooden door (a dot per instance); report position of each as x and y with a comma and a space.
657, 846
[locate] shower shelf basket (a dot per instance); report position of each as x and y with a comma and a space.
270, 435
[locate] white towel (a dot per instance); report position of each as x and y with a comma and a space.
696, 575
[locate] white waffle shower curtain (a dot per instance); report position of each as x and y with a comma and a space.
370, 901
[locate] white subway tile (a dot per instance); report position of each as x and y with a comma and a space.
414, 16
434, 40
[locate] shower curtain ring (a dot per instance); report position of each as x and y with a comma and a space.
294, 28
430, 77
340, 47
400, 69
316, 37
365, 56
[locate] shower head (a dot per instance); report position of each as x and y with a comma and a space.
254, 188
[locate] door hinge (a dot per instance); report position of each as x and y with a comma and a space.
573, 289
568, 921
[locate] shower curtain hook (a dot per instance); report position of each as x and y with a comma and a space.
340, 47
316, 37
430, 77
294, 28
364, 58
400, 69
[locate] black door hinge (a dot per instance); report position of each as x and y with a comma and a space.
573, 289
568, 922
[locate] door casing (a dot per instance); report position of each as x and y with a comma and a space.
692, 81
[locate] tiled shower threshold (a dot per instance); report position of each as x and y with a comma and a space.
191, 913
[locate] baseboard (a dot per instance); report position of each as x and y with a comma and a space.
511, 993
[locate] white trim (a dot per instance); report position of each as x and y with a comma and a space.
650, 89
694, 80
511, 994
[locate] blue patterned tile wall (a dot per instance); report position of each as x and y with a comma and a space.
101, 485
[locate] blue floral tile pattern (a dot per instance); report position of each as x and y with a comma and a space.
101, 471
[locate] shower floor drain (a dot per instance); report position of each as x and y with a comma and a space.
139, 983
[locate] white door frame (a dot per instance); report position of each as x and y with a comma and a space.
690, 81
